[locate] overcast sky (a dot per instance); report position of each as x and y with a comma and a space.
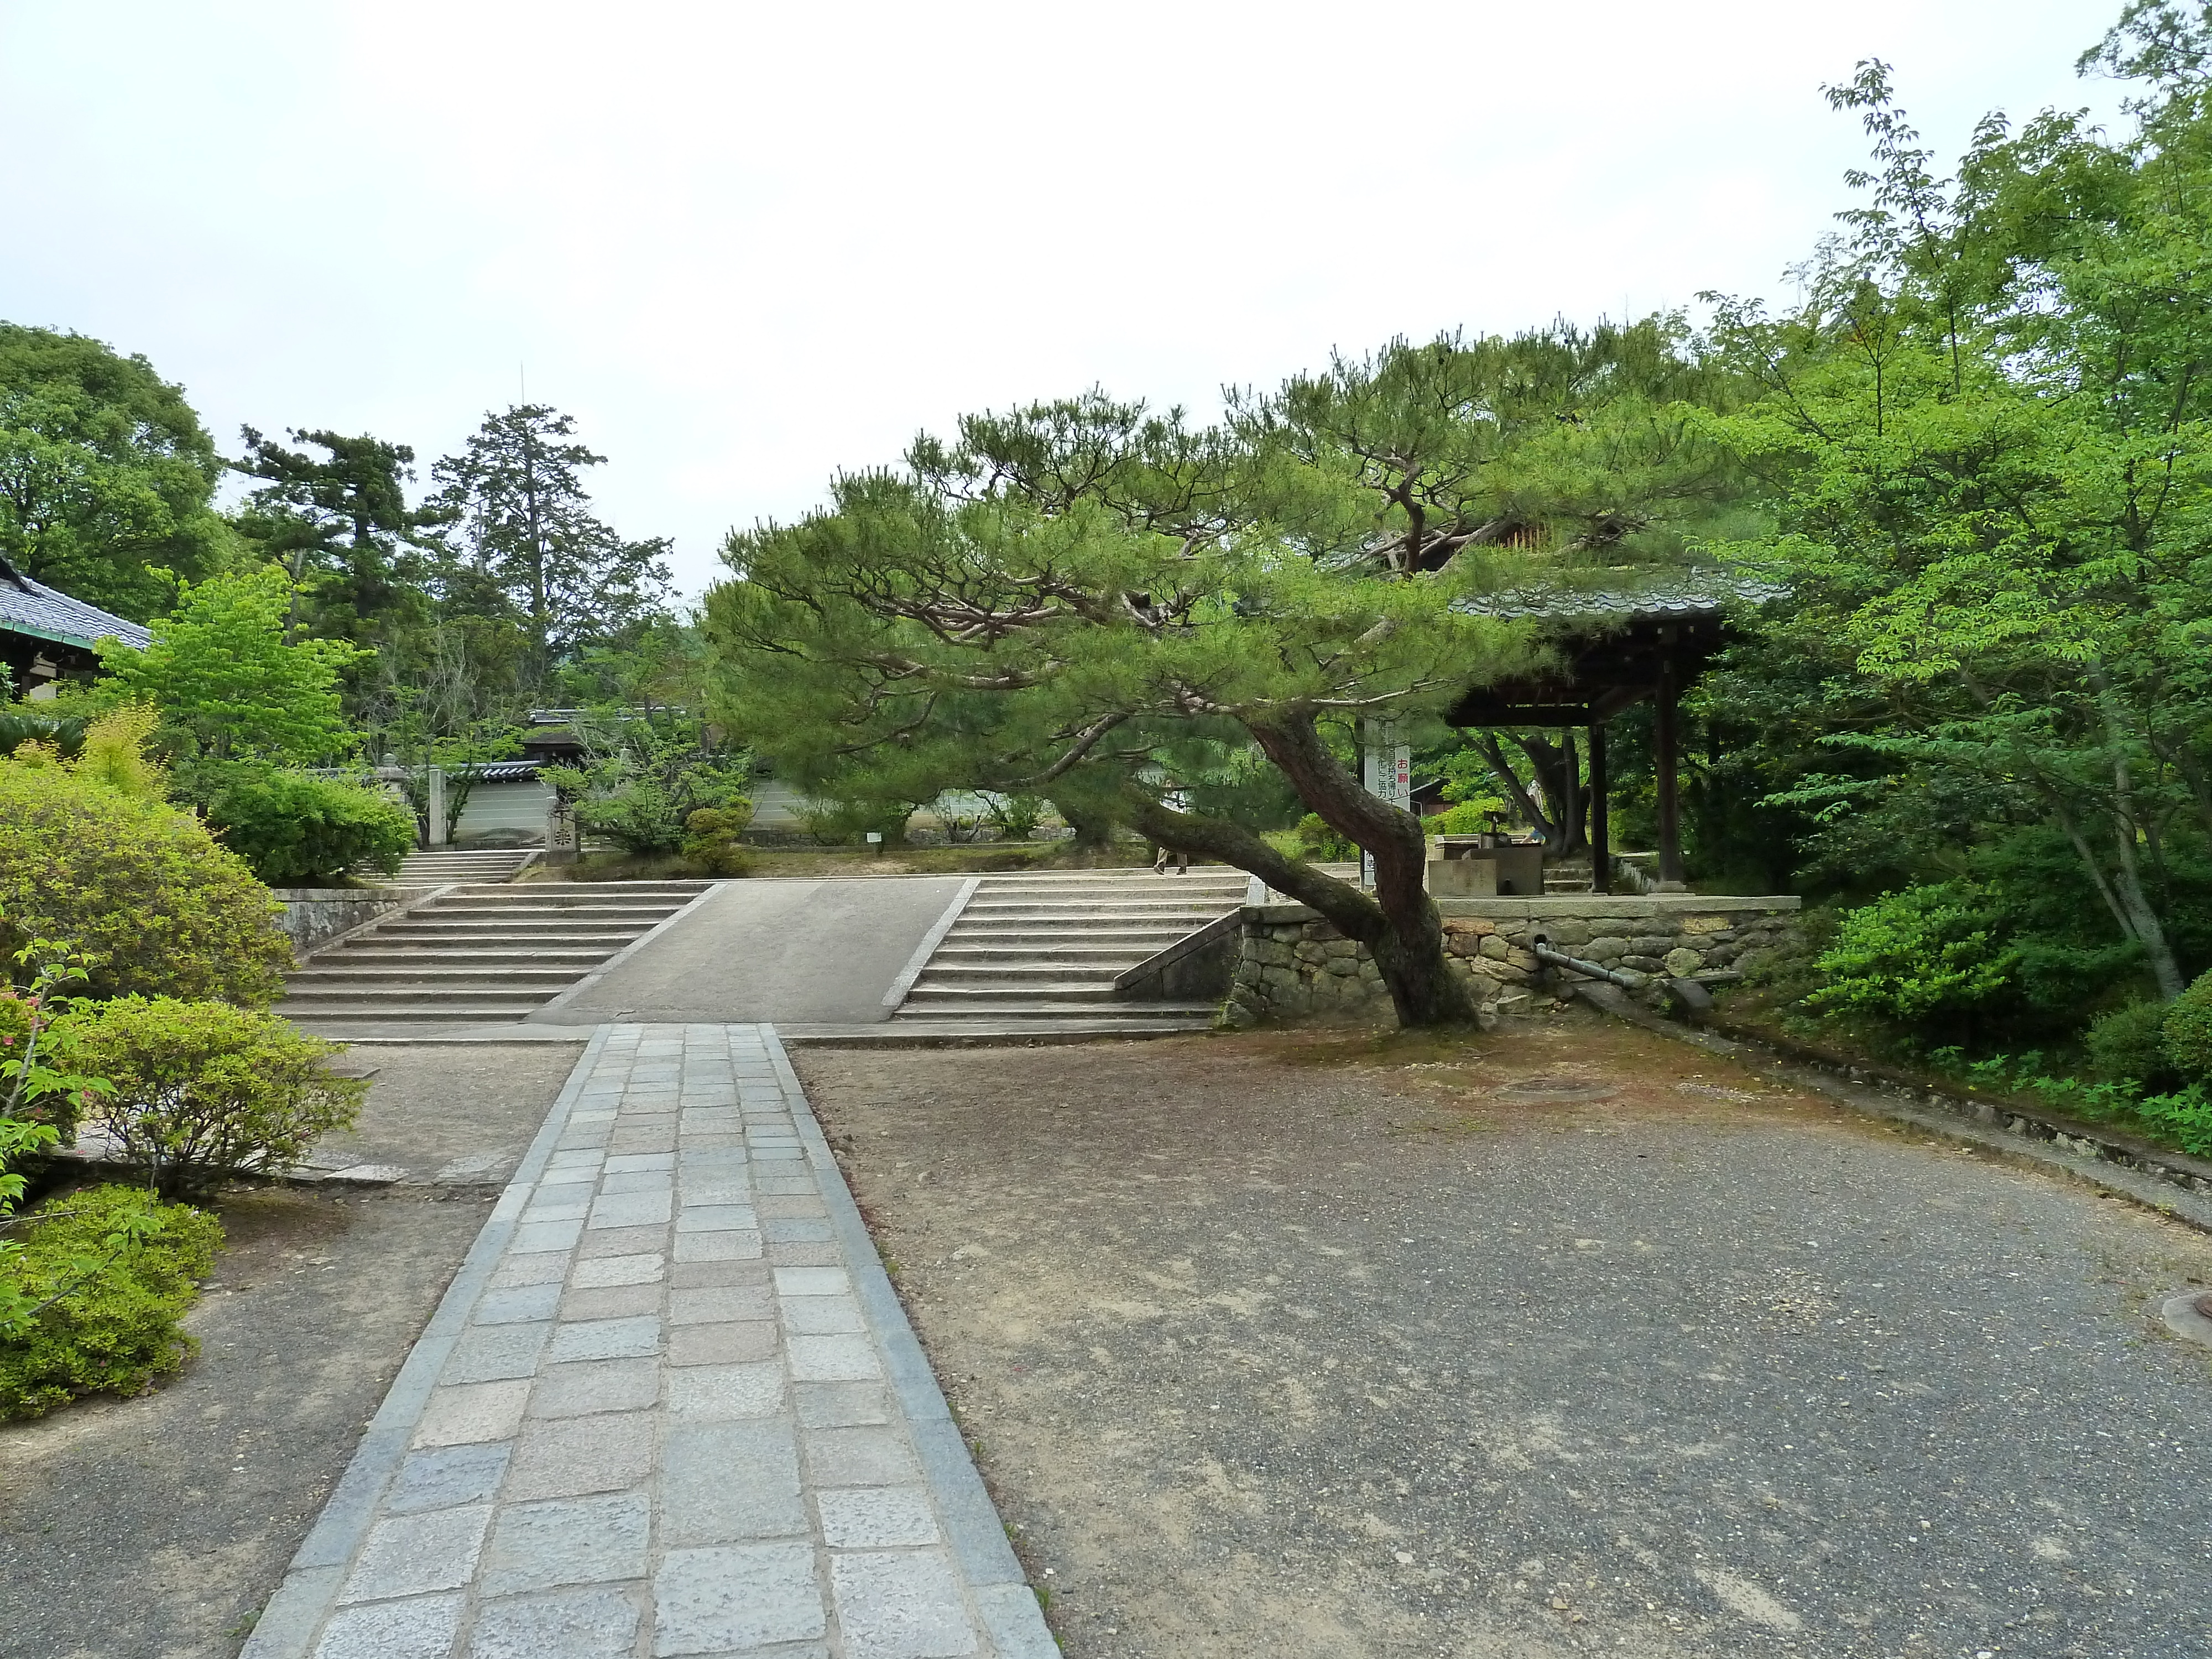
747, 244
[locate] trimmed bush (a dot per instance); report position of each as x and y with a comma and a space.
299, 831
138, 886
2128, 1046
2187, 1031
113, 1324
710, 841
204, 1092
1925, 958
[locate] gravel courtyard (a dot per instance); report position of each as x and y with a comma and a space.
1567, 1339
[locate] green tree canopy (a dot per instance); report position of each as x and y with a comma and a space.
105, 474
1094, 601
221, 671
527, 533
1985, 439
341, 525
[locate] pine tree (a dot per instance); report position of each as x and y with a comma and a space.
525, 523
342, 527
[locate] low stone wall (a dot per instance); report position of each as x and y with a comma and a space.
1292, 966
314, 915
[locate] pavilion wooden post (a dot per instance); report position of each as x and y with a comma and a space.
1663, 754
1601, 843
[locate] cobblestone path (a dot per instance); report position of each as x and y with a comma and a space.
670, 1407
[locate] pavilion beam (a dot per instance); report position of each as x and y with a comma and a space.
1601, 843
1665, 757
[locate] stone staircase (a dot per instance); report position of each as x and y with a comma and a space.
489, 864
1568, 875
476, 955
1036, 955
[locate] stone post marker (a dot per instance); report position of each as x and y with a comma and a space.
562, 842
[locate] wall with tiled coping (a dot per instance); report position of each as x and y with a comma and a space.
1293, 966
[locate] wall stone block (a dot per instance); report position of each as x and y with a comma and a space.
1294, 966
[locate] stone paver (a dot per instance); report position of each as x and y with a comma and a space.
671, 1405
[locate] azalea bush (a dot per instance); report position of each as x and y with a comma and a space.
1926, 958
91, 1298
199, 1093
2186, 1031
295, 830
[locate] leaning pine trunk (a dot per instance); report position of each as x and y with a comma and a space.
1400, 926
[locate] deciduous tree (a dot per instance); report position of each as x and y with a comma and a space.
105, 474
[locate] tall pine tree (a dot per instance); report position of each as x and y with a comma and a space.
525, 523
341, 525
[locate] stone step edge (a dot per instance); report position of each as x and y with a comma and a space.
896, 1034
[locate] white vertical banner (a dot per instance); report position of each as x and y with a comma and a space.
1389, 772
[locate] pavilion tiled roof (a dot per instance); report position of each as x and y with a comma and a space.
40, 612
1684, 594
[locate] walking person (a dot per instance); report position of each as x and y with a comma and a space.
1176, 801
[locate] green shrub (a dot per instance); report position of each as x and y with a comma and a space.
2183, 1117
299, 831
2127, 1046
710, 840
2187, 1031
1925, 958
1315, 839
646, 776
1466, 818
1015, 817
114, 753
203, 1092
138, 886
642, 814
112, 1322
19, 1019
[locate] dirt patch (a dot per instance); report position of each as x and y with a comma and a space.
453, 1114
1562, 1339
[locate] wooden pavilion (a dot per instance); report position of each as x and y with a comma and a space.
1616, 647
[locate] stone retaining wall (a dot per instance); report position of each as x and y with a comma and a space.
1293, 966
314, 916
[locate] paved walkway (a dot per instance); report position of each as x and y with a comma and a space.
671, 1405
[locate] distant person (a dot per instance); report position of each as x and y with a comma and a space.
1176, 801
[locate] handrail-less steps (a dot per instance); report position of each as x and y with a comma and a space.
476, 955
1037, 954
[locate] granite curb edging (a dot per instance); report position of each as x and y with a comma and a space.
976, 1531
591, 981
381, 1566
293, 1617
902, 987
2071, 1134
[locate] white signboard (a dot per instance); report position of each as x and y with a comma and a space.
1390, 773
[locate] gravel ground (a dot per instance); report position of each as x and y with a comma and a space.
154, 1527
1568, 1339
453, 1114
